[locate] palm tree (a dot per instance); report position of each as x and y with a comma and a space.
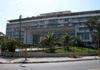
41, 42
1, 34
49, 40
67, 40
79, 41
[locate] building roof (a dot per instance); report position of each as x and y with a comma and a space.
56, 14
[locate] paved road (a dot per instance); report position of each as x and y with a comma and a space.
77, 65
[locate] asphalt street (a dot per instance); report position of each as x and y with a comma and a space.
76, 65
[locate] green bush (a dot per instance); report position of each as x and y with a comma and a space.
3, 43
8, 44
12, 43
74, 56
50, 51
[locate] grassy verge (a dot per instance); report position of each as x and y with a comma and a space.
72, 50
75, 49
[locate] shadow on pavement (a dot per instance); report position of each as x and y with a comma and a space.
21, 65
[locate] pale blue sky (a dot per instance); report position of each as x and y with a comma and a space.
11, 9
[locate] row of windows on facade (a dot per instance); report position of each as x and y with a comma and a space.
84, 36
41, 26
86, 29
47, 25
55, 21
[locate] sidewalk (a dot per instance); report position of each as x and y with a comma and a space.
4, 60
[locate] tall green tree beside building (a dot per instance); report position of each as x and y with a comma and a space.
94, 28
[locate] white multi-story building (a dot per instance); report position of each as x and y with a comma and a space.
73, 23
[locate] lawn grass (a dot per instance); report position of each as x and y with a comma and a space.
75, 49
72, 49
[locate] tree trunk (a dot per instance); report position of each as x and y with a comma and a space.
67, 48
50, 49
99, 52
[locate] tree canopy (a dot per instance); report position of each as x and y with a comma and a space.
94, 28
67, 40
48, 40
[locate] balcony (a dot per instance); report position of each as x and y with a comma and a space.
61, 22
75, 21
83, 20
82, 30
52, 23
86, 40
34, 24
82, 26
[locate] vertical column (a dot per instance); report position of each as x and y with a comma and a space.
76, 31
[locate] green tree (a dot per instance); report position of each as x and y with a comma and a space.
12, 44
3, 43
1, 34
79, 41
94, 28
8, 44
41, 43
67, 40
49, 40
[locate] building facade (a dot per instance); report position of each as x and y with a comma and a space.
73, 23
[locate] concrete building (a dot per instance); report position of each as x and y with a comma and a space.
73, 23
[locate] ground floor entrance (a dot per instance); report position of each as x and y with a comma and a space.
34, 35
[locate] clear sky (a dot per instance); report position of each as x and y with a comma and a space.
11, 9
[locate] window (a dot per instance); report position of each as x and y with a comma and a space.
42, 26
53, 26
53, 21
65, 20
83, 24
85, 18
80, 29
66, 24
85, 36
41, 22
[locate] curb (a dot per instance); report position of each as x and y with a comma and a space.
12, 62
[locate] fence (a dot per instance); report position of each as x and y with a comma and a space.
40, 54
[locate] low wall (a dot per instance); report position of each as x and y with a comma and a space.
40, 54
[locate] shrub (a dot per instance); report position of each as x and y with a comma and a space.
11, 45
74, 56
8, 44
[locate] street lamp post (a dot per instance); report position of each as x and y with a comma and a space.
26, 43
